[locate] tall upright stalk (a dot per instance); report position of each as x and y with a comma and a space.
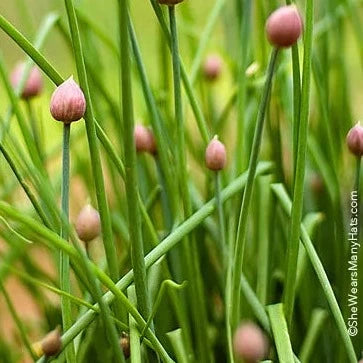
244, 31
64, 270
190, 254
137, 250
234, 308
110, 248
221, 220
298, 199
297, 97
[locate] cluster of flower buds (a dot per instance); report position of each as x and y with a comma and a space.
250, 343
68, 103
50, 345
284, 26
144, 140
212, 67
88, 224
215, 155
355, 140
33, 85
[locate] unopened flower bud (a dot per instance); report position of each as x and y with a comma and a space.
355, 140
50, 345
125, 345
250, 343
33, 85
68, 103
215, 155
170, 2
212, 67
144, 139
284, 26
88, 224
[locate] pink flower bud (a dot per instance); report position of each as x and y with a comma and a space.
33, 85
284, 26
355, 140
250, 343
88, 224
170, 2
215, 155
68, 103
51, 344
212, 67
144, 140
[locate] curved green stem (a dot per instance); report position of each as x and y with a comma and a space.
190, 254
137, 250
297, 205
234, 308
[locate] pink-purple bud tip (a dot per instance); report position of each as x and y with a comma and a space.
68, 103
144, 140
284, 26
250, 343
215, 155
355, 140
212, 67
88, 224
33, 85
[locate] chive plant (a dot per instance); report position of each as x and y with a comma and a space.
197, 259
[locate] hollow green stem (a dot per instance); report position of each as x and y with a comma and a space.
64, 270
221, 220
135, 344
296, 215
132, 192
234, 308
244, 31
280, 333
265, 211
158, 126
297, 96
199, 116
190, 255
110, 248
